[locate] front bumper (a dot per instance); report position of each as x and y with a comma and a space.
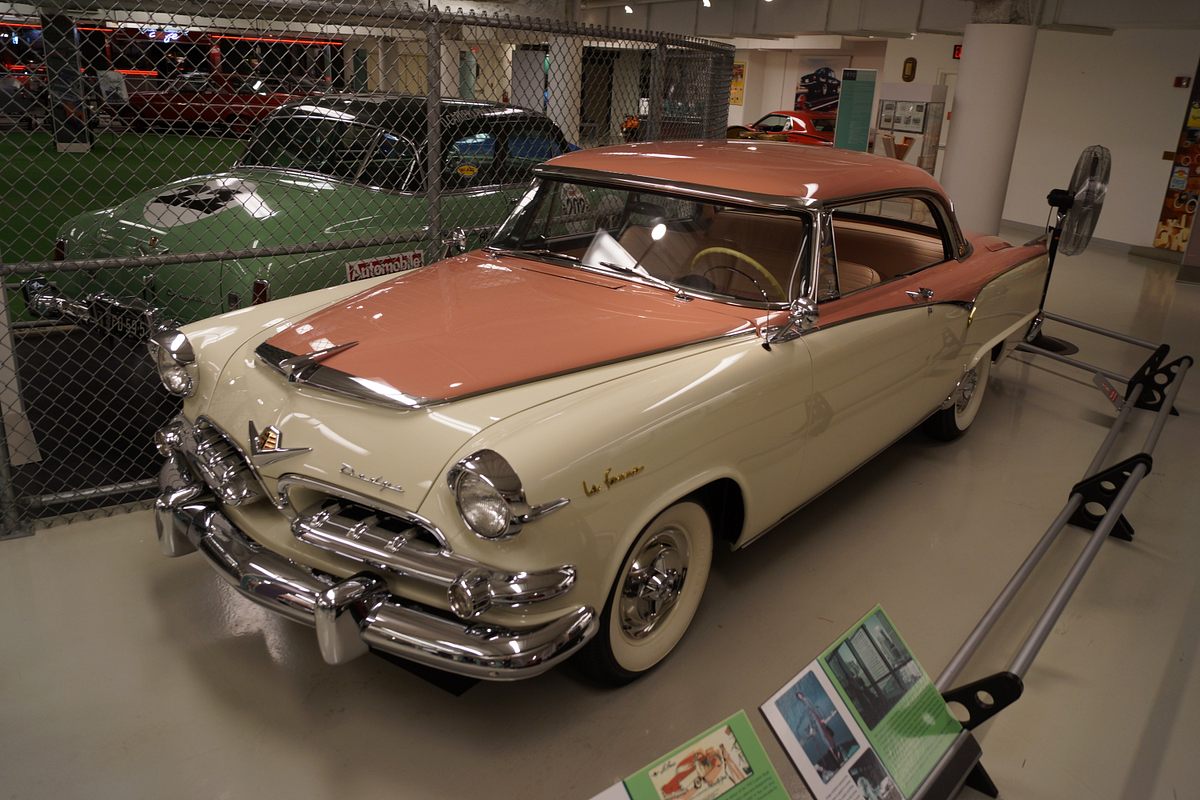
358, 614
124, 316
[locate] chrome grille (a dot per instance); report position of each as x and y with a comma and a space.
376, 538
221, 464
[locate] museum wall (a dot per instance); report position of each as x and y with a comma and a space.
771, 75
1111, 90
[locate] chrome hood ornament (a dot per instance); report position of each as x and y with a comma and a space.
297, 368
267, 447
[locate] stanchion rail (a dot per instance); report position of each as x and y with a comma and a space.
1155, 387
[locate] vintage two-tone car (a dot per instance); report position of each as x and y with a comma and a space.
531, 450
331, 172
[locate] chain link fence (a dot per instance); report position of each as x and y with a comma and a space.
163, 165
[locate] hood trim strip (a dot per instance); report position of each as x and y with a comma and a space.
345, 384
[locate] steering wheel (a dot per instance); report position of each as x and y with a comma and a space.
740, 256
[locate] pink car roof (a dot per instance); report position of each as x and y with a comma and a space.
750, 166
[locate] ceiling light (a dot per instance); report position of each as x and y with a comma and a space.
707, 3
628, 9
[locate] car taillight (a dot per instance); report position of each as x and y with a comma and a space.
260, 292
60, 249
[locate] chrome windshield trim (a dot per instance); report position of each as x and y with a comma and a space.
696, 190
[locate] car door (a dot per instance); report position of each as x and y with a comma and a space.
885, 347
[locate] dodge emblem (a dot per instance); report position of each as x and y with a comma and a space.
267, 447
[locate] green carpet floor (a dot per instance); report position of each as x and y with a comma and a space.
44, 189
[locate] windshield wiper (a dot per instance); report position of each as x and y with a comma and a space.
642, 272
534, 251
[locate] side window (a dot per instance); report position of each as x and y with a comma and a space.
773, 123
878, 240
470, 160
392, 165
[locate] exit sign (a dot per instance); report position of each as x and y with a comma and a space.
958, 51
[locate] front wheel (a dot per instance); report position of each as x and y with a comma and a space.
655, 595
950, 423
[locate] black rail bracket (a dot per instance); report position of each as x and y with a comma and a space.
986, 697
1154, 377
1101, 489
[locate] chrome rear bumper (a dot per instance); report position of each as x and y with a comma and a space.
354, 615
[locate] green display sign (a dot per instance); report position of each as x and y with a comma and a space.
863, 721
727, 761
853, 127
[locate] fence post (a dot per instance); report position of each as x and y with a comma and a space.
10, 520
658, 69
433, 127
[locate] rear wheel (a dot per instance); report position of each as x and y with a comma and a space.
655, 596
951, 423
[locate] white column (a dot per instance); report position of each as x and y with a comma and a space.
987, 114
566, 80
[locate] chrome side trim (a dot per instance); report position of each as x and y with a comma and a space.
356, 614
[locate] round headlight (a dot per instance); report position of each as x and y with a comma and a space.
482, 506
175, 360
173, 375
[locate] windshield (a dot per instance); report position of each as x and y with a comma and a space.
318, 144
728, 251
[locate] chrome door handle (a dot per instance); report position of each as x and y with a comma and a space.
920, 294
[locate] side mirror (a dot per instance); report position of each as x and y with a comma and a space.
455, 242
802, 316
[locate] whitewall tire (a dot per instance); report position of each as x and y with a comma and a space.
953, 422
655, 595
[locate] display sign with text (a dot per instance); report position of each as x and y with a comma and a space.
853, 127
863, 721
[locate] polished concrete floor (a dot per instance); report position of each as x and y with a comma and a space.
123, 674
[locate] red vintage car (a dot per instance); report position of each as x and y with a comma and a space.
201, 100
800, 127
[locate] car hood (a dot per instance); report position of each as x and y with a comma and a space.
237, 209
478, 323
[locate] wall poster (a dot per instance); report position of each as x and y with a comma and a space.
819, 88
737, 84
1178, 215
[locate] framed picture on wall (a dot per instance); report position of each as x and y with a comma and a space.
887, 114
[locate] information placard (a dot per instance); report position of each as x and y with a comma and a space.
853, 126
863, 721
727, 761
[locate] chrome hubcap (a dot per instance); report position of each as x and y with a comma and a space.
966, 390
653, 582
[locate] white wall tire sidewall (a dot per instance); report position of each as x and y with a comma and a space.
964, 418
637, 656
